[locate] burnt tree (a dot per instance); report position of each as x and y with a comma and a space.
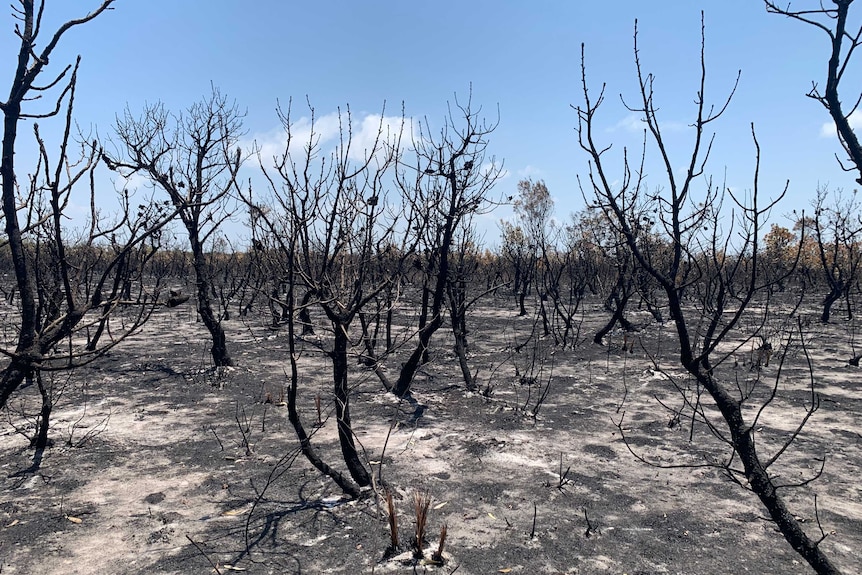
688, 211
65, 274
42, 326
332, 223
446, 182
193, 158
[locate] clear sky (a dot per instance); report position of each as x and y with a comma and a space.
523, 57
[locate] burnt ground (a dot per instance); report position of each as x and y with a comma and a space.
162, 464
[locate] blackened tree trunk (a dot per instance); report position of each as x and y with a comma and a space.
29, 354
115, 289
525, 286
831, 18
305, 314
211, 321
433, 298
331, 226
13, 375
371, 325
40, 441
25, 353
833, 296
305, 445
342, 406
618, 316
458, 317
616, 304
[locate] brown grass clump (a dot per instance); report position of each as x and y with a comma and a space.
422, 503
393, 526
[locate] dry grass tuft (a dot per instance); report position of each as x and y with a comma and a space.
422, 503
393, 525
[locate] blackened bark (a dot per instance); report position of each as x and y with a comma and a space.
461, 352
522, 297
414, 362
758, 477
118, 279
458, 316
831, 99
14, 374
618, 316
346, 485
40, 441
342, 408
305, 315
437, 295
218, 350
830, 299
370, 358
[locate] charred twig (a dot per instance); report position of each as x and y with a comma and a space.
437, 556
205, 556
563, 475
533, 528
591, 529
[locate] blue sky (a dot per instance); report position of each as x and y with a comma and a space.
523, 57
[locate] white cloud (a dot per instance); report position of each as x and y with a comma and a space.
326, 134
268, 144
529, 172
634, 123
271, 144
382, 130
134, 182
325, 129
631, 123
827, 130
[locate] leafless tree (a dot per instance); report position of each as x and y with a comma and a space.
534, 208
66, 279
520, 259
194, 159
833, 17
35, 339
333, 222
837, 230
449, 180
723, 268
462, 294
622, 289
570, 271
